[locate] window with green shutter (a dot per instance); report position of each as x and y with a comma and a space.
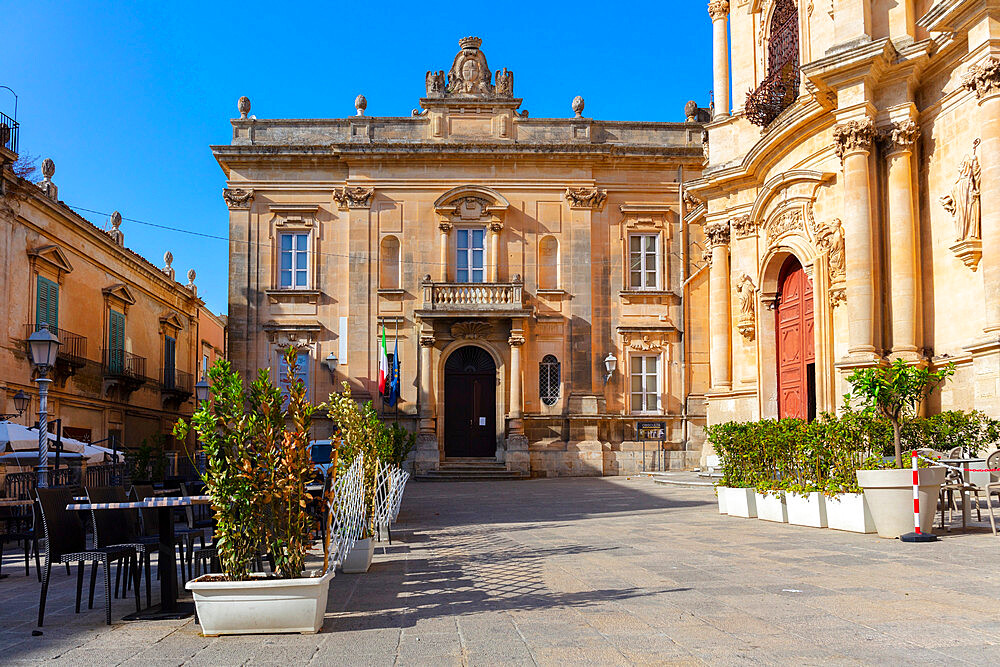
169, 361
47, 304
116, 342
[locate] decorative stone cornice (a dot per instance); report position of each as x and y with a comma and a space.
983, 79
237, 198
354, 197
853, 136
592, 198
900, 136
717, 234
718, 9
743, 226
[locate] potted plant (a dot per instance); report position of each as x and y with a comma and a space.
769, 497
851, 440
736, 488
256, 474
363, 434
895, 392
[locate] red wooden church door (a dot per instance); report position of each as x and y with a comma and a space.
795, 348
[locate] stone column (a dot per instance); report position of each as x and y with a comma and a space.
718, 306
426, 382
445, 228
719, 11
853, 143
495, 229
241, 275
984, 80
516, 340
903, 249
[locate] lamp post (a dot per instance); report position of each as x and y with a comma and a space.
202, 389
43, 346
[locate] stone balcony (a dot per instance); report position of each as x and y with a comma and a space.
474, 299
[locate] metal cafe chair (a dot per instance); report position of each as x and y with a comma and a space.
66, 542
150, 523
120, 528
993, 486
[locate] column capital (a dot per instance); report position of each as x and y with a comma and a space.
899, 136
717, 233
238, 198
445, 226
516, 339
983, 79
353, 197
427, 340
853, 136
718, 9
496, 227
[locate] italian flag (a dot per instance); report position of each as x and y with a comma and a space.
383, 366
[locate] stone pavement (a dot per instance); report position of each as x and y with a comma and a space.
585, 570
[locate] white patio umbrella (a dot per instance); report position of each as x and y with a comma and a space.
14, 437
17, 438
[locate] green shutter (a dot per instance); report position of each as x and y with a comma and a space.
169, 361
116, 342
47, 304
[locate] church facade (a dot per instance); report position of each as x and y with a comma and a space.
531, 274
853, 200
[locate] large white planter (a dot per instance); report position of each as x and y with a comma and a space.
890, 497
359, 559
772, 507
261, 605
807, 510
741, 502
849, 511
720, 492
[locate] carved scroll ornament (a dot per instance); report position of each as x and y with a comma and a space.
717, 234
354, 197
586, 197
237, 197
743, 226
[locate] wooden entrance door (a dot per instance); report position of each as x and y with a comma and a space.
795, 347
470, 390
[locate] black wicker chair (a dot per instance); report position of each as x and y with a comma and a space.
151, 528
66, 542
114, 528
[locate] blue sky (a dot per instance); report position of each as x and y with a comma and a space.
127, 97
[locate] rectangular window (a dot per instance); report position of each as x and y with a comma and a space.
47, 304
204, 365
301, 372
169, 361
645, 383
471, 260
294, 261
116, 342
643, 261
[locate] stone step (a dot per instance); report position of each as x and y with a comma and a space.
468, 475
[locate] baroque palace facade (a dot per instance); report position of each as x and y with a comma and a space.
853, 200
133, 338
514, 259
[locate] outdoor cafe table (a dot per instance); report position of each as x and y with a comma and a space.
168, 608
973, 472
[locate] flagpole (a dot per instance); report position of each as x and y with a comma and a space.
395, 366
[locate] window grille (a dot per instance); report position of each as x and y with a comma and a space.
780, 87
548, 379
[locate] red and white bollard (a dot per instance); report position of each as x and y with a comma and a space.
916, 535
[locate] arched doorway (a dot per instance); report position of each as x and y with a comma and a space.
470, 388
795, 343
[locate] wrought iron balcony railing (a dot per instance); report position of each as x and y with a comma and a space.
124, 365
176, 381
73, 348
8, 132
474, 296
776, 93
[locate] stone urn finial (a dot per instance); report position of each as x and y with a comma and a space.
360, 103
691, 111
244, 106
578, 106
116, 234
168, 259
48, 168
191, 276
46, 185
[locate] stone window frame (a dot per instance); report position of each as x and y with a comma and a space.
458, 227
658, 255
279, 252
557, 270
398, 262
644, 410
548, 366
295, 219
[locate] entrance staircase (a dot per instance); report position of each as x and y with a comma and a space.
469, 470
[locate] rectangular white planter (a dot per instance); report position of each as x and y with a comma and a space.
808, 510
720, 492
772, 507
849, 511
359, 558
261, 605
741, 502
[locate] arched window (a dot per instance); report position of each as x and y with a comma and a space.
389, 263
548, 380
780, 88
548, 263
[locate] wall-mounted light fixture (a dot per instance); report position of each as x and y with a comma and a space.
610, 364
331, 362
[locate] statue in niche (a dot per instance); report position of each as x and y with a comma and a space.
746, 292
831, 239
963, 202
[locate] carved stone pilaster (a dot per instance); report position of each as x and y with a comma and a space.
717, 234
853, 136
900, 136
353, 197
592, 198
238, 198
743, 226
718, 9
983, 79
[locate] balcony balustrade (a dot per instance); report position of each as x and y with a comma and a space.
777, 92
72, 351
459, 297
119, 364
8, 133
173, 380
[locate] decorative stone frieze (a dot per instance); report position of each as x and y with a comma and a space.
717, 234
853, 136
900, 136
592, 198
237, 198
746, 293
743, 226
718, 9
784, 222
983, 79
471, 330
643, 341
353, 197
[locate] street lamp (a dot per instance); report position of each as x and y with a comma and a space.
610, 364
201, 390
44, 346
21, 401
